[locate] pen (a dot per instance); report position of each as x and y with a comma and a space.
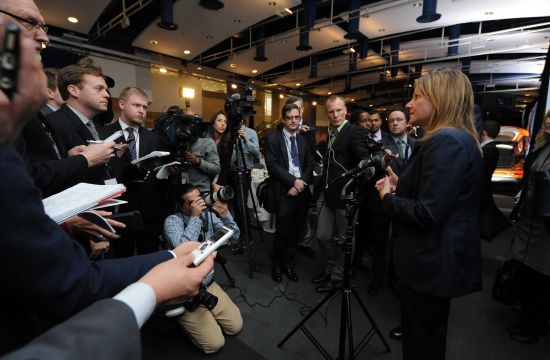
95, 142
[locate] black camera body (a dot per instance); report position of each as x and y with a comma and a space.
238, 108
203, 298
179, 131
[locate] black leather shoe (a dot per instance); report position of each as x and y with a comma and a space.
328, 286
290, 274
321, 278
361, 267
308, 251
276, 274
374, 286
396, 334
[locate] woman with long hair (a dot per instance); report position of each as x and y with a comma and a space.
219, 132
532, 247
434, 207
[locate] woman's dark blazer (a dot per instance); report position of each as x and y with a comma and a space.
436, 216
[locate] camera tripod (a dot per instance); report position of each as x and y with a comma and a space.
346, 327
242, 188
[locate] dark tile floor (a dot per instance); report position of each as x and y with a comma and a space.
271, 310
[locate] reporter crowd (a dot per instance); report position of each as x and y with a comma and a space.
419, 208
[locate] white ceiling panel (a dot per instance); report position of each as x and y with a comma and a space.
56, 13
199, 33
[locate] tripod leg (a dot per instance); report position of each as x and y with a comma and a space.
346, 327
231, 280
376, 329
308, 316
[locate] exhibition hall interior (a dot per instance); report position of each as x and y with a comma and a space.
270, 131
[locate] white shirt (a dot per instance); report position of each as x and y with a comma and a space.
292, 169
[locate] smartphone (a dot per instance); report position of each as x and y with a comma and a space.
115, 136
218, 239
9, 60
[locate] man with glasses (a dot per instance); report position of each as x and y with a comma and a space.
25, 13
289, 162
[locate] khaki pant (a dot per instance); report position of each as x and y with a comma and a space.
204, 326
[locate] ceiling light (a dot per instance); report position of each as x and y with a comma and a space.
153, 42
233, 86
381, 30
187, 52
314, 103
489, 13
298, 84
352, 100
281, 96
285, 41
370, 105
254, 71
237, 21
352, 50
232, 65
329, 93
417, 4
209, 37
336, 41
272, 3
199, 68
72, 19
288, 11
163, 70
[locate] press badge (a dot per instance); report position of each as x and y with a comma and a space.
110, 181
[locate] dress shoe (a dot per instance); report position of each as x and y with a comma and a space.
528, 336
374, 286
321, 278
276, 274
308, 251
290, 274
397, 333
328, 286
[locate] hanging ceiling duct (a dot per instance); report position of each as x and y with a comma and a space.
308, 21
394, 56
260, 48
167, 16
363, 47
429, 14
211, 4
353, 20
454, 35
314, 67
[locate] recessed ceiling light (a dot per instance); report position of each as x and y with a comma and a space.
163, 70
281, 96
199, 68
72, 19
187, 52
153, 42
285, 41
370, 104
417, 4
352, 100
314, 103
233, 86
352, 50
254, 71
329, 93
237, 21
381, 30
209, 37
489, 13
272, 3
232, 65
288, 11
298, 84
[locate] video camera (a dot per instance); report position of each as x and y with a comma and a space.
179, 131
238, 107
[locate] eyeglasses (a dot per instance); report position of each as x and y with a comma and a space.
292, 117
28, 24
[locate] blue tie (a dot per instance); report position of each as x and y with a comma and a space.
131, 143
294, 153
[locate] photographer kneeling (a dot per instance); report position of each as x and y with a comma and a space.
197, 223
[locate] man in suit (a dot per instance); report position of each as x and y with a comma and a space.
492, 220
306, 129
346, 148
85, 93
374, 126
47, 277
289, 162
54, 97
144, 192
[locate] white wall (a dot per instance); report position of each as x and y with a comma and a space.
125, 75
166, 90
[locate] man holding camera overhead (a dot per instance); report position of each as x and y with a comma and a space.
196, 222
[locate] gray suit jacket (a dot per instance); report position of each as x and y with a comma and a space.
104, 330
